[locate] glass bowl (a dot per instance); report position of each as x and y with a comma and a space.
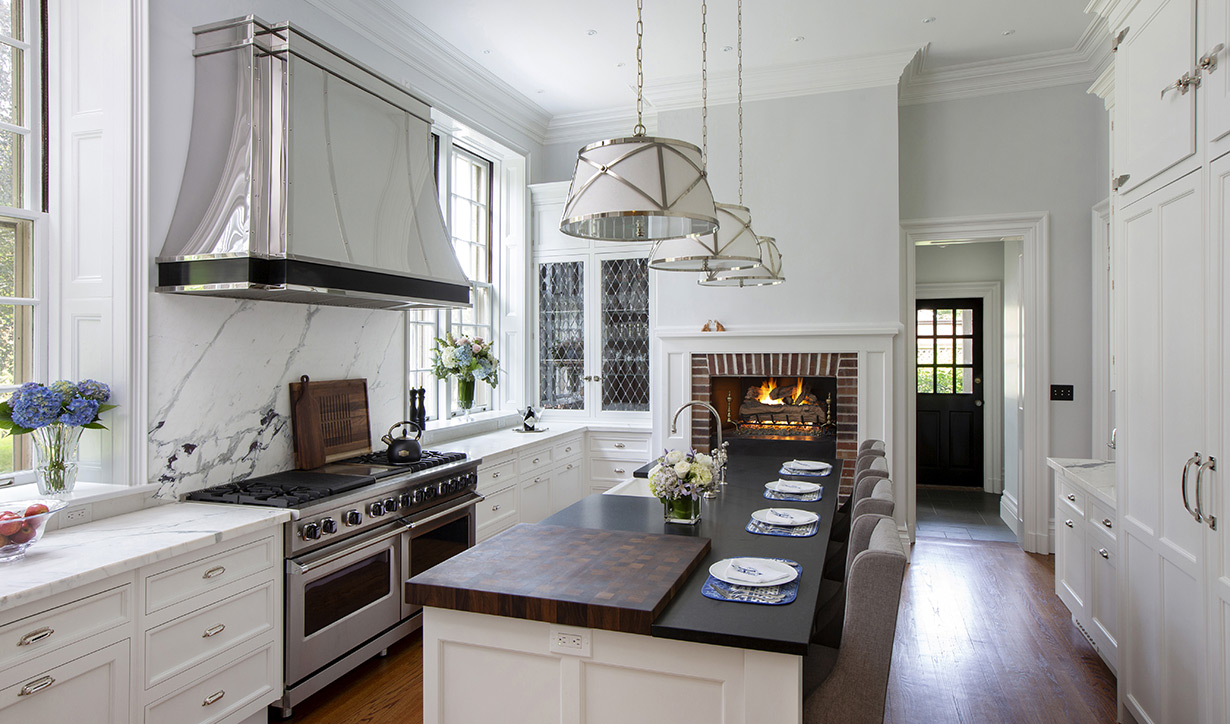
20, 528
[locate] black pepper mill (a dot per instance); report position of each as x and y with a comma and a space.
413, 416
419, 413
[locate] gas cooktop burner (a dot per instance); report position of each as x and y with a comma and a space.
430, 459
282, 490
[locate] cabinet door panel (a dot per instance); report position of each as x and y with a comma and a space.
1103, 596
1215, 85
561, 335
1154, 132
566, 486
535, 498
1071, 568
1215, 500
93, 689
624, 302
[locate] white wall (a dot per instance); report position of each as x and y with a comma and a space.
1040, 150
981, 262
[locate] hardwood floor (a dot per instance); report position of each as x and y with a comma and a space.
981, 639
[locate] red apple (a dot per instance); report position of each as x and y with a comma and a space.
10, 523
4, 540
25, 534
36, 509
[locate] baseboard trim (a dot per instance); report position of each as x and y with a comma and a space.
1009, 512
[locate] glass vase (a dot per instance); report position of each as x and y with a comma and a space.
465, 395
685, 510
56, 448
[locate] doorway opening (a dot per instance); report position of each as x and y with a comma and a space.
948, 381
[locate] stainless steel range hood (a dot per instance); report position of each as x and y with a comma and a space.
309, 179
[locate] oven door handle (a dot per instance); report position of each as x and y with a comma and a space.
355, 545
473, 499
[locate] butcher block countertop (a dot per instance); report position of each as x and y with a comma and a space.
608, 579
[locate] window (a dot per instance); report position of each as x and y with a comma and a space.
465, 179
946, 341
19, 195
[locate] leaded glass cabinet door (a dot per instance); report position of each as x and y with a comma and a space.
561, 335
623, 298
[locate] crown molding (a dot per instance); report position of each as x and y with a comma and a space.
783, 81
588, 126
1113, 11
1083, 63
473, 90
1104, 87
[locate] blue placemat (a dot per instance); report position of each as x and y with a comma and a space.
790, 531
764, 595
794, 497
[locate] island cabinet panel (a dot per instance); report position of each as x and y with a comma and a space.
90, 689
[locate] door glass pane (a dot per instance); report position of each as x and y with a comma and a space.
625, 334
965, 381
926, 319
943, 380
438, 545
926, 382
943, 351
943, 322
965, 322
337, 595
965, 351
561, 335
926, 352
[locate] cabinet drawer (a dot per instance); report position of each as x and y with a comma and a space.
220, 694
1102, 519
636, 447
611, 471
208, 574
494, 476
22, 640
1070, 494
535, 461
568, 448
185, 642
497, 508
89, 689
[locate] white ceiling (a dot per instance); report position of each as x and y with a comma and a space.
544, 49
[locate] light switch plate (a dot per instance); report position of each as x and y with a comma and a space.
570, 641
1062, 392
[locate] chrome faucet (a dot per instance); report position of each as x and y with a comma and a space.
719, 456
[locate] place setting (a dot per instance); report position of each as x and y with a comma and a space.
796, 491
767, 581
790, 522
805, 469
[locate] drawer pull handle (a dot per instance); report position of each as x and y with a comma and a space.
537, 480
569, 467
568, 449
214, 572
1106, 522
214, 697
1072, 497
495, 475
534, 461
620, 445
495, 507
1104, 553
213, 630
619, 470
36, 686
1068, 522
35, 636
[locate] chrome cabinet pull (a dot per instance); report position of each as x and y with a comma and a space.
495, 475
619, 470
214, 572
1182, 85
1208, 61
36, 686
1068, 522
214, 697
620, 445
534, 461
1195, 459
568, 449
495, 507
1104, 553
1071, 496
1106, 522
35, 636
213, 630
569, 467
1210, 464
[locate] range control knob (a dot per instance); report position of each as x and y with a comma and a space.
391, 505
418, 496
376, 509
328, 525
406, 500
311, 531
352, 517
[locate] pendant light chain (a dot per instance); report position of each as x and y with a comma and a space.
639, 130
704, 87
740, 74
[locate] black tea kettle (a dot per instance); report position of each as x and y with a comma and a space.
404, 449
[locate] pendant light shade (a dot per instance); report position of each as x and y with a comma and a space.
732, 247
769, 273
639, 188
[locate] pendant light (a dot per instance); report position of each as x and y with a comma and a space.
767, 271
732, 247
639, 188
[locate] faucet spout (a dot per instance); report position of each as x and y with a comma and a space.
719, 456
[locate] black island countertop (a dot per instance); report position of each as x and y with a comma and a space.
690, 616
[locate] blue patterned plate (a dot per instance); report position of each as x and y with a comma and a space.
764, 595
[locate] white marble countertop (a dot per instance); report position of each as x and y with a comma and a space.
502, 441
72, 557
1097, 477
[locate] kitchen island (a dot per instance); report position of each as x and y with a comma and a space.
536, 643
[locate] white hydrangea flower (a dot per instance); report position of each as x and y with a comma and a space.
674, 456
447, 358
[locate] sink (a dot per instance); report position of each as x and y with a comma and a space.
638, 487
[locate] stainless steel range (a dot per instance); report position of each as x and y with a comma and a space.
362, 528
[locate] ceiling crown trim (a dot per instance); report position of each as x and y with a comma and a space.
587, 126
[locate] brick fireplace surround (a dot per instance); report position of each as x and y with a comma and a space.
843, 366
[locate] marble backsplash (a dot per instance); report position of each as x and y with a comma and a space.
218, 374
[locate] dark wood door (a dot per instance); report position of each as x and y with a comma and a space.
949, 384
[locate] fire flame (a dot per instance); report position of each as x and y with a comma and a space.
771, 384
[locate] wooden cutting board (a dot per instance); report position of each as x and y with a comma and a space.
328, 420
609, 579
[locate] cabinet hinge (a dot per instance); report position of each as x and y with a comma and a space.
1117, 182
1114, 42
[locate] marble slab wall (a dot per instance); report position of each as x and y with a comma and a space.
218, 375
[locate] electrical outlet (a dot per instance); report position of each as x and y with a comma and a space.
76, 516
574, 642
1061, 392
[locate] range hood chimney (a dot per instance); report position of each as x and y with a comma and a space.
309, 179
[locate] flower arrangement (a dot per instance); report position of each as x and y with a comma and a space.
469, 359
681, 475
55, 414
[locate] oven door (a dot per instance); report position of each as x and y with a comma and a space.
434, 536
339, 597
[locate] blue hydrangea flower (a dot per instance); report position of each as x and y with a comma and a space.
464, 354
67, 390
15, 398
484, 369
80, 412
94, 390
37, 407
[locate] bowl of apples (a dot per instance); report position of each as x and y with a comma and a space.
22, 523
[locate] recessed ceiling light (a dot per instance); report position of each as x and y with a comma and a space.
1006, 33
620, 64
591, 31
728, 48
487, 52
798, 38
928, 20
540, 90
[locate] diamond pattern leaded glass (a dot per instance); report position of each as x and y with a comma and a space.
625, 335
561, 335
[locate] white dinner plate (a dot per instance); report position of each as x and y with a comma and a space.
810, 465
801, 517
721, 571
792, 487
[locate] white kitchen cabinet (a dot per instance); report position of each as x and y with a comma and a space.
614, 456
1215, 500
1215, 82
92, 688
535, 498
1102, 609
1071, 566
566, 485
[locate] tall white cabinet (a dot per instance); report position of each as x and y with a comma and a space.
1170, 180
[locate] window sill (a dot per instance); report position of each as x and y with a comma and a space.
82, 494
442, 431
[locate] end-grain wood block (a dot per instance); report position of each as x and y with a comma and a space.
607, 579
